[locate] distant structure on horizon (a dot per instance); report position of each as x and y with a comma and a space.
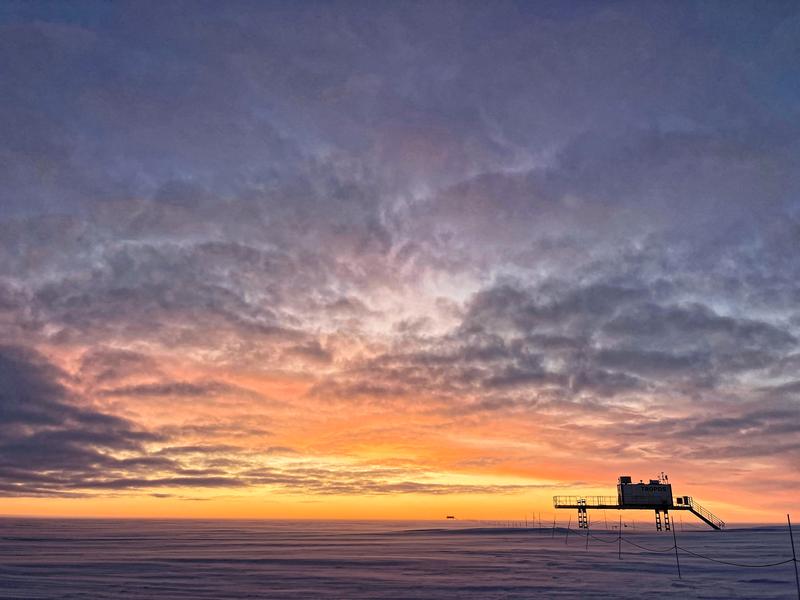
654, 495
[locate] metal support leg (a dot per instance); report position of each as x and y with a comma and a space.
658, 520
583, 521
667, 524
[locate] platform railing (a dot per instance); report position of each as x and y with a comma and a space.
570, 501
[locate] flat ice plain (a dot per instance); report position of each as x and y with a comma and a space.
81, 558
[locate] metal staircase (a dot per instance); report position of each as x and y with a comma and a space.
705, 515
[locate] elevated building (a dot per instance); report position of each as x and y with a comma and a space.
654, 495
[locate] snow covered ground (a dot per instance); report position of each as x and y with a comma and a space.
44, 558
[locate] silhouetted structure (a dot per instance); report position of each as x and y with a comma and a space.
654, 495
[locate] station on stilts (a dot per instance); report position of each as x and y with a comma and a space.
655, 495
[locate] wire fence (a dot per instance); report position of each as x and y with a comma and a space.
620, 539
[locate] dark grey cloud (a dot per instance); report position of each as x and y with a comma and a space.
765, 431
654, 321
50, 445
199, 449
102, 365
180, 389
46, 440
313, 352
597, 339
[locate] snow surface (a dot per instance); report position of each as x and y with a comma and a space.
49, 558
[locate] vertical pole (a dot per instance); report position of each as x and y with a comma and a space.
566, 537
554, 526
794, 557
587, 533
677, 560
619, 537
605, 516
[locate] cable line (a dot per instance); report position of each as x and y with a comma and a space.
733, 564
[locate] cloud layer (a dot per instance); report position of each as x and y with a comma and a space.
416, 249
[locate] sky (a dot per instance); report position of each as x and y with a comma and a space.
397, 259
